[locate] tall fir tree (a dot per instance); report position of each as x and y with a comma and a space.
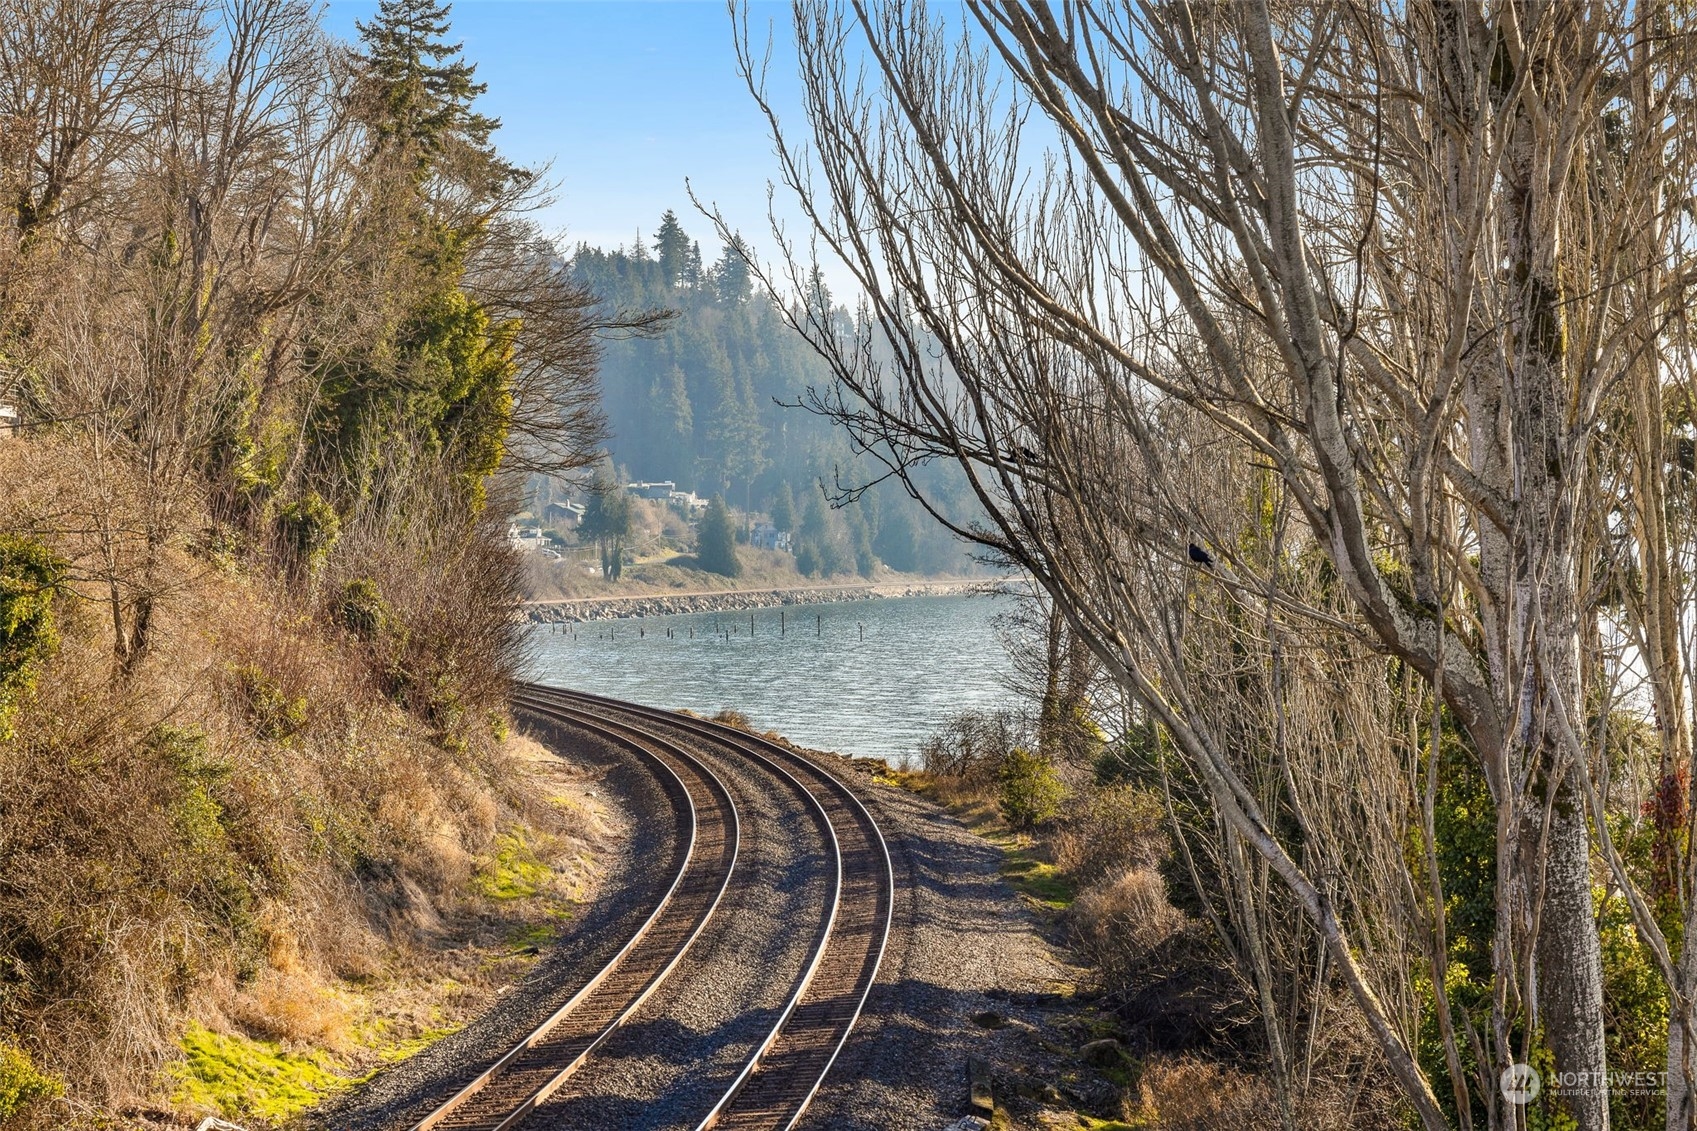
716, 540
731, 276
418, 94
437, 383
671, 248
783, 508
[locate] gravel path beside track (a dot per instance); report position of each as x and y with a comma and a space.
963, 944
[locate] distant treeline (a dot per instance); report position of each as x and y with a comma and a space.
712, 405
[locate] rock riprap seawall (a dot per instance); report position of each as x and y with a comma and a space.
730, 600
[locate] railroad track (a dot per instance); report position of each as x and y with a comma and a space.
702, 864
786, 1068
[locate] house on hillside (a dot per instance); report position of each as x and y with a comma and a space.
658, 491
765, 536
566, 516
8, 421
688, 502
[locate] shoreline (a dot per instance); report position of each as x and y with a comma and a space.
578, 610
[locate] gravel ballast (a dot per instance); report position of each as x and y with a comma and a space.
961, 944
667, 1066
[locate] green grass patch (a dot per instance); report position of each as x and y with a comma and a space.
1033, 876
400, 1050
243, 1078
514, 872
527, 935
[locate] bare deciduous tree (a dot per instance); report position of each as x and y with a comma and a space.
1378, 254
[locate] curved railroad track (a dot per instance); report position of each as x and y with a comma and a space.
780, 1079
786, 1067
703, 862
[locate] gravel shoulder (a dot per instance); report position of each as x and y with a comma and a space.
963, 944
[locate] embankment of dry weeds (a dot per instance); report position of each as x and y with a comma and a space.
248, 848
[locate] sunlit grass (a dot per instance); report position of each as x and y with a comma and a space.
245, 1078
514, 872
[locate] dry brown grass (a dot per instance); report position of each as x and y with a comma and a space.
1188, 1094
1119, 921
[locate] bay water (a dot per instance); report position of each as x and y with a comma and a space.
872, 678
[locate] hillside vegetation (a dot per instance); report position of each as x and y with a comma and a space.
710, 406
276, 332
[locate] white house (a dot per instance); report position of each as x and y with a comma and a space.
8, 421
687, 501
659, 491
765, 536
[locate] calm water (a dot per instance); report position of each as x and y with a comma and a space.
820, 684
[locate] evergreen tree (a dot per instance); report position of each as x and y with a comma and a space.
820, 539
818, 294
419, 94
716, 540
671, 249
860, 540
783, 508
731, 276
436, 384
897, 543
672, 426
607, 519
693, 272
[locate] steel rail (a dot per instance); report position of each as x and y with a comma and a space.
635, 740
819, 949
775, 758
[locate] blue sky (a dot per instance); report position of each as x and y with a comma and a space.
626, 100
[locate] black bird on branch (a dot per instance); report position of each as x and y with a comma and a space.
1200, 556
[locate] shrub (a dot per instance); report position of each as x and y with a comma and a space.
1029, 791
1116, 828
716, 541
362, 611
308, 527
273, 712
1118, 921
971, 745
30, 577
22, 1083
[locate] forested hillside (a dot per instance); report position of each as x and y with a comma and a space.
716, 404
